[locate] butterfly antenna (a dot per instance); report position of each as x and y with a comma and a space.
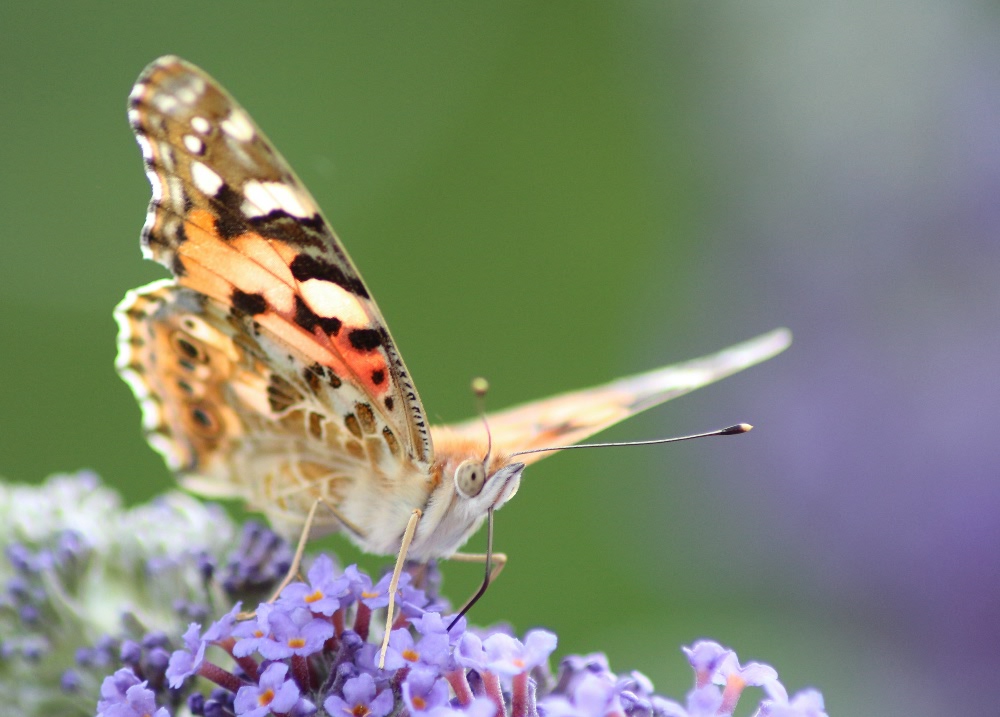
728, 431
480, 386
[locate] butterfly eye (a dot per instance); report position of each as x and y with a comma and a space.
470, 477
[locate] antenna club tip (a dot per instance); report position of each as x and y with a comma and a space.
737, 429
480, 386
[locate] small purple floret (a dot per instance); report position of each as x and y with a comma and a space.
272, 694
423, 690
322, 595
361, 699
295, 632
185, 663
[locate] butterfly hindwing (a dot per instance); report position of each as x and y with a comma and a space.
227, 407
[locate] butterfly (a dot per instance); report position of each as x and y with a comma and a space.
265, 370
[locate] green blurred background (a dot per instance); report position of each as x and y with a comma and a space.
552, 195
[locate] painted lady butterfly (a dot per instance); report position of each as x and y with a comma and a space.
265, 370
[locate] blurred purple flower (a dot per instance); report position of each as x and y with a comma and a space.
123, 695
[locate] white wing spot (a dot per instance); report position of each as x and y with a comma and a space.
201, 125
138, 90
194, 145
145, 146
238, 126
205, 179
175, 189
329, 300
264, 197
191, 90
154, 182
166, 104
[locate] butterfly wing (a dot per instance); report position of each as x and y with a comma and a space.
232, 222
572, 417
264, 369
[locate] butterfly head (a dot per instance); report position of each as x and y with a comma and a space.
475, 485
479, 481
469, 489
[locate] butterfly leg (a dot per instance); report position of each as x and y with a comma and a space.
293, 569
300, 548
411, 529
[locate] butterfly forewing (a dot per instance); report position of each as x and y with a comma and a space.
574, 416
232, 222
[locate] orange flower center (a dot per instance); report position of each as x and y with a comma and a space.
265, 698
410, 655
315, 597
296, 642
419, 702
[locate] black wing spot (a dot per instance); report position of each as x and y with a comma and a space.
305, 267
378, 376
389, 403
229, 223
330, 325
250, 304
177, 267
309, 320
205, 421
282, 226
187, 350
200, 417
365, 339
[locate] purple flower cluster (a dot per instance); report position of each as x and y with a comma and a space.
72, 557
308, 653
